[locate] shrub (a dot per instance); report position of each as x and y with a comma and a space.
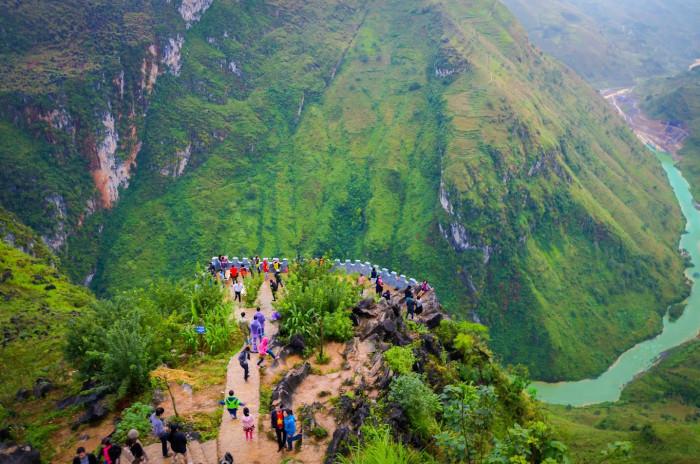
337, 325
133, 417
400, 359
380, 448
417, 400
252, 288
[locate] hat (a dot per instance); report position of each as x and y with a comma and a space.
133, 434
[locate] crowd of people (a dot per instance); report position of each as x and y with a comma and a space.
235, 273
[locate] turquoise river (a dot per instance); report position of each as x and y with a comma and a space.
642, 356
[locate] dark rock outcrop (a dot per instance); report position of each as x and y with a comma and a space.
94, 413
19, 454
41, 387
23, 394
284, 390
83, 398
338, 444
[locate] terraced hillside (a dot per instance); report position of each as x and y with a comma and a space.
426, 135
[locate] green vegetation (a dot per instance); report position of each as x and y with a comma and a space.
418, 401
677, 99
614, 43
120, 341
400, 359
313, 294
133, 417
659, 414
381, 448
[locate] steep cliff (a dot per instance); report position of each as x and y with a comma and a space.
427, 135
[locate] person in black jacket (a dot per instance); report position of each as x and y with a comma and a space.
277, 424
178, 443
84, 458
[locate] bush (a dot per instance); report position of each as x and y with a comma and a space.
337, 326
252, 289
400, 359
133, 417
380, 448
417, 400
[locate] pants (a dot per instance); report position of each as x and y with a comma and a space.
181, 458
292, 439
237, 297
232, 412
410, 314
273, 295
248, 434
256, 339
164, 444
281, 438
262, 359
244, 365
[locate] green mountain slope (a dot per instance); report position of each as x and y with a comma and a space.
678, 99
427, 136
658, 413
37, 302
614, 43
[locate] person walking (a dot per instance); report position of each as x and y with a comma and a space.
408, 292
265, 267
290, 427
248, 424
274, 287
278, 278
373, 275
260, 317
264, 350
277, 424
410, 307
255, 334
110, 452
244, 328
136, 447
158, 429
379, 287
243, 358
237, 290
83, 457
178, 443
232, 404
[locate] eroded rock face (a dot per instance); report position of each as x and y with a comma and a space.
178, 163
171, 54
283, 392
192, 10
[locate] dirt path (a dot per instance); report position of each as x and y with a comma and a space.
231, 436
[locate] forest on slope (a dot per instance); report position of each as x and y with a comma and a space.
428, 136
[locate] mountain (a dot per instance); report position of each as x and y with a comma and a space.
677, 100
614, 43
430, 137
658, 413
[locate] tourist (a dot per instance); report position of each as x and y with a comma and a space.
217, 265
373, 275
260, 317
277, 424
410, 307
265, 267
243, 358
276, 265
222, 267
83, 457
290, 428
245, 329
379, 288
387, 295
248, 424
110, 453
278, 278
244, 272
158, 429
234, 274
178, 443
232, 403
136, 447
424, 288
408, 292
263, 350
273, 287
237, 290
255, 334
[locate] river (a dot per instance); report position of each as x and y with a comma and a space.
642, 356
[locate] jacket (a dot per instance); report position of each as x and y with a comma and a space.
273, 420
178, 442
91, 459
290, 425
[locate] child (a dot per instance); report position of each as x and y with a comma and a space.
232, 403
264, 350
248, 424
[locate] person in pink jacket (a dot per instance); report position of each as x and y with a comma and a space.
264, 349
248, 424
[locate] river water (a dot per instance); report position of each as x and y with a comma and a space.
641, 357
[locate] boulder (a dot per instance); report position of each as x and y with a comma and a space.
284, 390
41, 387
83, 398
23, 394
433, 320
94, 413
431, 344
296, 344
338, 444
19, 454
